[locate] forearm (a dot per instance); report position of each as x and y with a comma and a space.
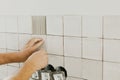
12, 57
24, 73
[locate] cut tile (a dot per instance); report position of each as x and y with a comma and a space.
2, 24
39, 25
11, 24
55, 45
112, 50
55, 60
112, 27
92, 26
111, 71
92, 48
54, 25
72, 26
23, 39
92, 70
44, 37
72, 46
25, 24
73, 66
12, 41
2, 40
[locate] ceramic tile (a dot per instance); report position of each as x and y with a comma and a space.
70, 78
72, 26
111, 71
44, 37
54, 25
2, 40
11, 24
12, 41
92, 26
72, 46
92, 48
55, 60
73, 66
39, 25
92, 70
111, 27
2, 24
55, 45
112, 50
25, 24
2, 51
23, 39
3, 71
11, 70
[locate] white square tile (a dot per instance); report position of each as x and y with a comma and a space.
11, 24
11, 70
2, 24
73, 66
2, 40
23, 39
3, 71
55, 45
54, 25
25, 24
72, 46
92, 26
55, 60
92, 48
13, 64
72, 26
111, 71
12, 41
92, 70
44, 37
112, 27
112, 50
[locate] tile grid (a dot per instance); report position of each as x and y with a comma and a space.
103, 38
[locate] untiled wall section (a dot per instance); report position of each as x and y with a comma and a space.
88, 46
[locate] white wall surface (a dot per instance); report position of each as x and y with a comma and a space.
59, 7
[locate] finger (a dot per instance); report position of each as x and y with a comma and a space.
33, 42
38, 44
28, 43
30, 40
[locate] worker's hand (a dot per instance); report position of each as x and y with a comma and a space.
38, 60
33, 45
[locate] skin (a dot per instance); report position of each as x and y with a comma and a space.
33, 58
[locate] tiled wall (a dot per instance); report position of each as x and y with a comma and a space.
88, 46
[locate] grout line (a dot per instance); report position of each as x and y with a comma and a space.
112, 62
63, 42
18, 36
81, 37
91, 59
102, 48
77, 77
63, 35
